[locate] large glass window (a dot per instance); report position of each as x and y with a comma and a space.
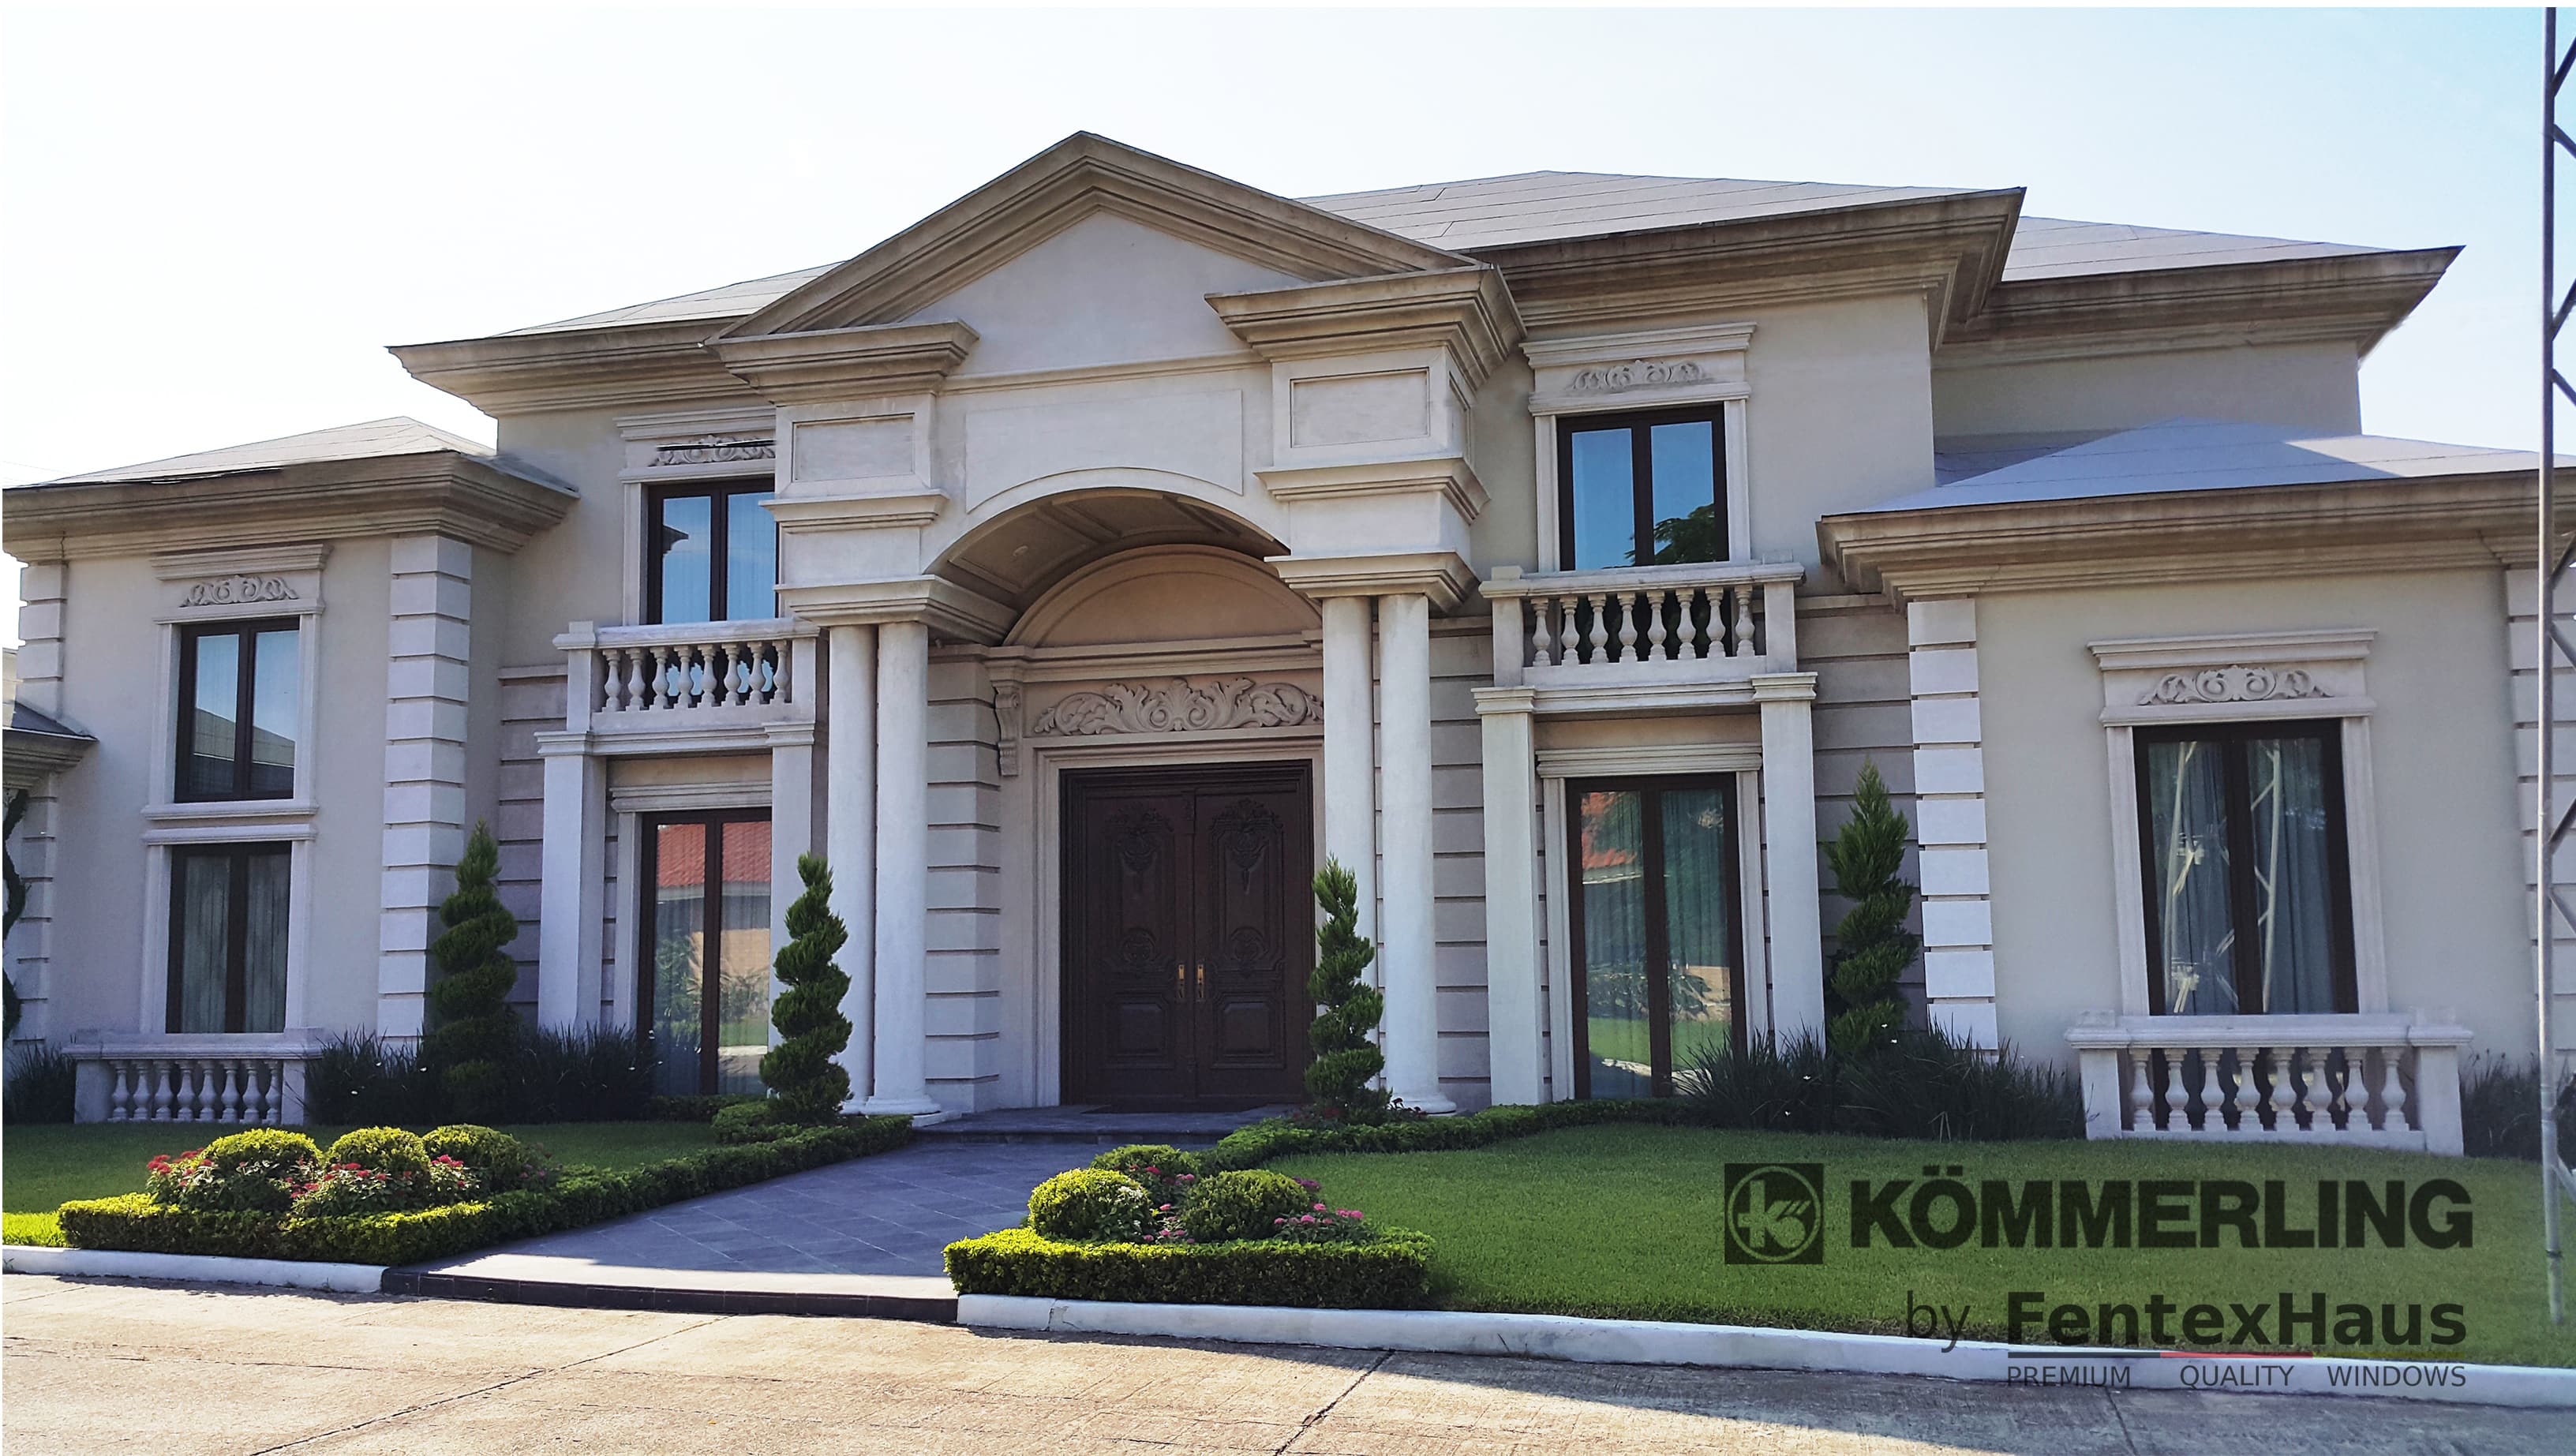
239, 696
1656, 932
228, 916
706, 926
1641, 490
2248, 904
711, 554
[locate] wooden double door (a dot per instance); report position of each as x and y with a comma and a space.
1188, 935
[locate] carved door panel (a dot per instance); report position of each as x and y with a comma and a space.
1188, 935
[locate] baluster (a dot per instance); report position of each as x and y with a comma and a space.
208, 1097
2355, 1093
2142, 1095
2285, 1089
1655, 625
1600, 628
1542, 633
156, 1073
718, 692
120, 1107
219, 1076
636, 702
245, 1091
2392, 1093
1740, 632
753, 658
2247, 1099
781, 653
2173, 1102
1569, 642
1628, 626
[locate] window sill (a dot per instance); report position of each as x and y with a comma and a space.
227, 810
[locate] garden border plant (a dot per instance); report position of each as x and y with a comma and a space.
135, 1222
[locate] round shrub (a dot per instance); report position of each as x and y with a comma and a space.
498, 1161
257, 1171
1245, 1204
380, 1150
1092, 1205
1167, 1173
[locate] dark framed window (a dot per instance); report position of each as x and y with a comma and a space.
705, 978
710, 553
228, 929
1641, 489
1655, 919
2248, 890
240, 699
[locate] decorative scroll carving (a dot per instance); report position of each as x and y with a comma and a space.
1006, 727
1138, 838
1638, 374
714, 450
1244, 834
227, 591
1178, 705
2232, 685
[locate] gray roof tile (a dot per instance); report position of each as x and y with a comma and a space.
398, 435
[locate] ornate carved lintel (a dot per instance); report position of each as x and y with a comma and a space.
714, 450
1636, 374
1178, 705
2234, 684
229, 591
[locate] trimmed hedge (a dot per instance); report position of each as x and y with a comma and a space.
134, 1222
1253, 1146
1391, 1272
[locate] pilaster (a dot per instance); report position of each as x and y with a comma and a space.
1517, 1049
1950, 818
427, 647
1797, 953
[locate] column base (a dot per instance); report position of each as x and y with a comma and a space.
1434, 1105
921, 1110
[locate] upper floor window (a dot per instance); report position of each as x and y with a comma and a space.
1641, 489
239, 695
710, 553
2249, 907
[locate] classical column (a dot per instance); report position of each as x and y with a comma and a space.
1789, 851
849, 830
1517, 1061
1412, 977
903, 861
1350, 758
571, 877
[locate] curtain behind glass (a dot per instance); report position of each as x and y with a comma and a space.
742, 1034
1698, 910
203, 931
264, 943
1612, 864
679, 953
2187, 835
2294, 905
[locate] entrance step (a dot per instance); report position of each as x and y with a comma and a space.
1094, 1125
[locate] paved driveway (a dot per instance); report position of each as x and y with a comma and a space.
110, 1366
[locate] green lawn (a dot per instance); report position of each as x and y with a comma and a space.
1623, 1221
44, 1167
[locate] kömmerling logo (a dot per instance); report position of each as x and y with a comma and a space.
1775, 1213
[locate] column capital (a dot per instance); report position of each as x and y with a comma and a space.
945, 607
1784, 687
1443, 576
1493, 701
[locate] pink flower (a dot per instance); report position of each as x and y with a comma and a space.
1307, 1217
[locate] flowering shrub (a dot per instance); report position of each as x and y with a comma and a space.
249, 1172
1323, 1225
1166, 1171
351, 1188
498, 1161
380, 1150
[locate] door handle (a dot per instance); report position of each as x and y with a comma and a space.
1181, 979
1202, 980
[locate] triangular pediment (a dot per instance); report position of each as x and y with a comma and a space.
1079, 178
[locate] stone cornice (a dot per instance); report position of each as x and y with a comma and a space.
2358, 297
1442, 576
950, 610
837, 364
2186, 537
1450, 475
1951, 248
29, 756
465, 497
860, 510
1074, 179
1468, 311
621, 367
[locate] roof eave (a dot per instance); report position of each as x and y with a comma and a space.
2349, 296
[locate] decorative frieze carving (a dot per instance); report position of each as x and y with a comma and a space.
714, 450
1637, 374
2232, 684
1178, 705
227, 591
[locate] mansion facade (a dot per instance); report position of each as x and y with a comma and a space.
1081, 567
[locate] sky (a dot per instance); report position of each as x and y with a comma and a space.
217, 217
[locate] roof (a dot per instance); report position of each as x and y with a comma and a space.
2199, 454
398, 435
23, 719
1533, 207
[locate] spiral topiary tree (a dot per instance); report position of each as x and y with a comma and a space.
806, 1085
476, 1029
1347, 1007
1873, 947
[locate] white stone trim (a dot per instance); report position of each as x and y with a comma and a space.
1950, 818
1563, 375
428, 660
691, 798
2303, 675
192, 1268
152, 1010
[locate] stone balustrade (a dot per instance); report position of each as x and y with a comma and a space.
2378, 1081
1695, 623
225, 1080
703, 674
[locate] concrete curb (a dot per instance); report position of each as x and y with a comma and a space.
199, 1268
1640, 1342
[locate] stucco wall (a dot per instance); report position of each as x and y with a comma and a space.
2306, 386
2441, 757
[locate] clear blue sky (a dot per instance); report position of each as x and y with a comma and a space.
217, 218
